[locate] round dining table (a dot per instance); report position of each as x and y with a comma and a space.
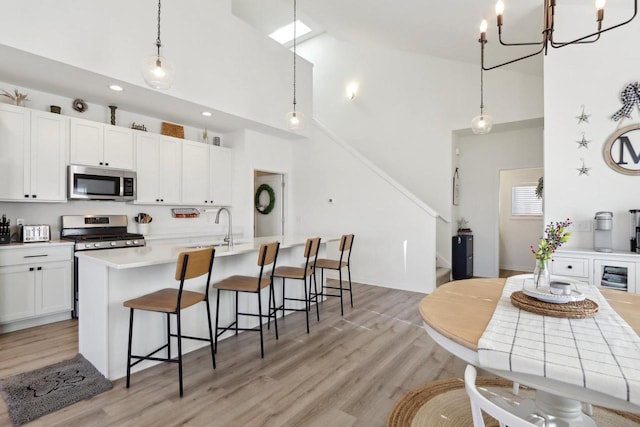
456, 315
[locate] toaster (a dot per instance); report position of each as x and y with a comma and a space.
35, 233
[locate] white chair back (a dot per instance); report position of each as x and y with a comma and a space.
480, 403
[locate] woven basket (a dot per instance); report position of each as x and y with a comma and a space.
570, 310
171, 129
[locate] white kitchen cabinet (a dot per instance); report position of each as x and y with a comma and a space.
618, 270
98, 144
158, 166
34, 150
35, 282
206, 174
195, 173
221, 175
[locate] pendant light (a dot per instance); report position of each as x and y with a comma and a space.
482, 123
158, 71
294, 118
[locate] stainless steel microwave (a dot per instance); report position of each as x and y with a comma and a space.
91, 183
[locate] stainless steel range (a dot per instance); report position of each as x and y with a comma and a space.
91, 232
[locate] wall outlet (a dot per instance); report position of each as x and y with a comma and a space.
582, 226
20, 221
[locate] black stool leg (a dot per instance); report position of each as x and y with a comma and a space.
269, 312
283, 299
129, 348
260, 322
179, 350
168, 336
237, 313
213, 350
275, 313
217, 316
341, 308
350, 291
315, 287
307, 303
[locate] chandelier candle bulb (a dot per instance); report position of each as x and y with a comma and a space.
499, 12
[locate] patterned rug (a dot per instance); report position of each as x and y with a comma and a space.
33, 394
444, 403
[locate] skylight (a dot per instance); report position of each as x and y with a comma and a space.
284, 35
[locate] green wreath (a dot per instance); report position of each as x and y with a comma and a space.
272, 199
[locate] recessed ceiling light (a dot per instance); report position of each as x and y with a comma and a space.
116, 88
284, 34
206, 113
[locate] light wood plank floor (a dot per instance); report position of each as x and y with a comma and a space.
349, 371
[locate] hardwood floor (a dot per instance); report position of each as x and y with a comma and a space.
508, 273
349, 371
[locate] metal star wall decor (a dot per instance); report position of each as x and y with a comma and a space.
584, 170
583, 117
584, 142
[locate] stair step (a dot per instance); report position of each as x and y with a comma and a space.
443, 275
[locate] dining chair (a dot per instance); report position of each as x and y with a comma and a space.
300, 273
267, 255
172, 301
346, 241
479, 403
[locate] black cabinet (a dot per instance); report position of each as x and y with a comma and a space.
462, 256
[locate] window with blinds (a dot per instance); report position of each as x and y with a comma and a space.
524, 201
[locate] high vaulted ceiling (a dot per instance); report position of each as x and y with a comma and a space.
447, 29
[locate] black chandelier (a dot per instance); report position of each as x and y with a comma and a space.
547, 32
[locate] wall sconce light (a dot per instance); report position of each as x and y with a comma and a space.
352, 90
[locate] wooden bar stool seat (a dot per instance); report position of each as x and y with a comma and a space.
346, 242
172, 301
300, 273
267, 255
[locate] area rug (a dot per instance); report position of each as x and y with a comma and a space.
33, 394
444, 403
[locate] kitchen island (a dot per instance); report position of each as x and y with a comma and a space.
107, 278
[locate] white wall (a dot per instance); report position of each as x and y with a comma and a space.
591, 75
384, 220
518, 233
407, 106
480, 159
220, 61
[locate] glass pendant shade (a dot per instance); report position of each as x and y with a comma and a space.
295, 120
481, 124
158, 72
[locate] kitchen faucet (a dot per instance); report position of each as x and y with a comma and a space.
229, 237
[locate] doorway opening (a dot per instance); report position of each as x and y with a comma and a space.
521, 218
269, 203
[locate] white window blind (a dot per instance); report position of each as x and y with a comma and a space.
524, 201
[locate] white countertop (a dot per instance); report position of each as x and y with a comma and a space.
168, 253
585, 251
50, 243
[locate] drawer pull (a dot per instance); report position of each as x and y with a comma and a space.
569, 267
35, 256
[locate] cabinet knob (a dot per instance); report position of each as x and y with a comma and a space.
26, 196
33, 196
569, 267
100, 163
157, 200
39, 268
162, 200
106, 164
31, 268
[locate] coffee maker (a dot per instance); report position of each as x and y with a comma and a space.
602, 236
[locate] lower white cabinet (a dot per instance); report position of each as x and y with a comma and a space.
35, 282
615, 270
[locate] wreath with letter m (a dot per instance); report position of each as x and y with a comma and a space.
265, 210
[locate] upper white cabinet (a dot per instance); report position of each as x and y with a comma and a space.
206, 174
34, 151
98, 144
158, 166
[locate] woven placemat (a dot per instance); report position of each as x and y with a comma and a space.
570, 310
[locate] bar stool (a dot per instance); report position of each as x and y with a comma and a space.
346, 241
300, 273
172, 301
266, 256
